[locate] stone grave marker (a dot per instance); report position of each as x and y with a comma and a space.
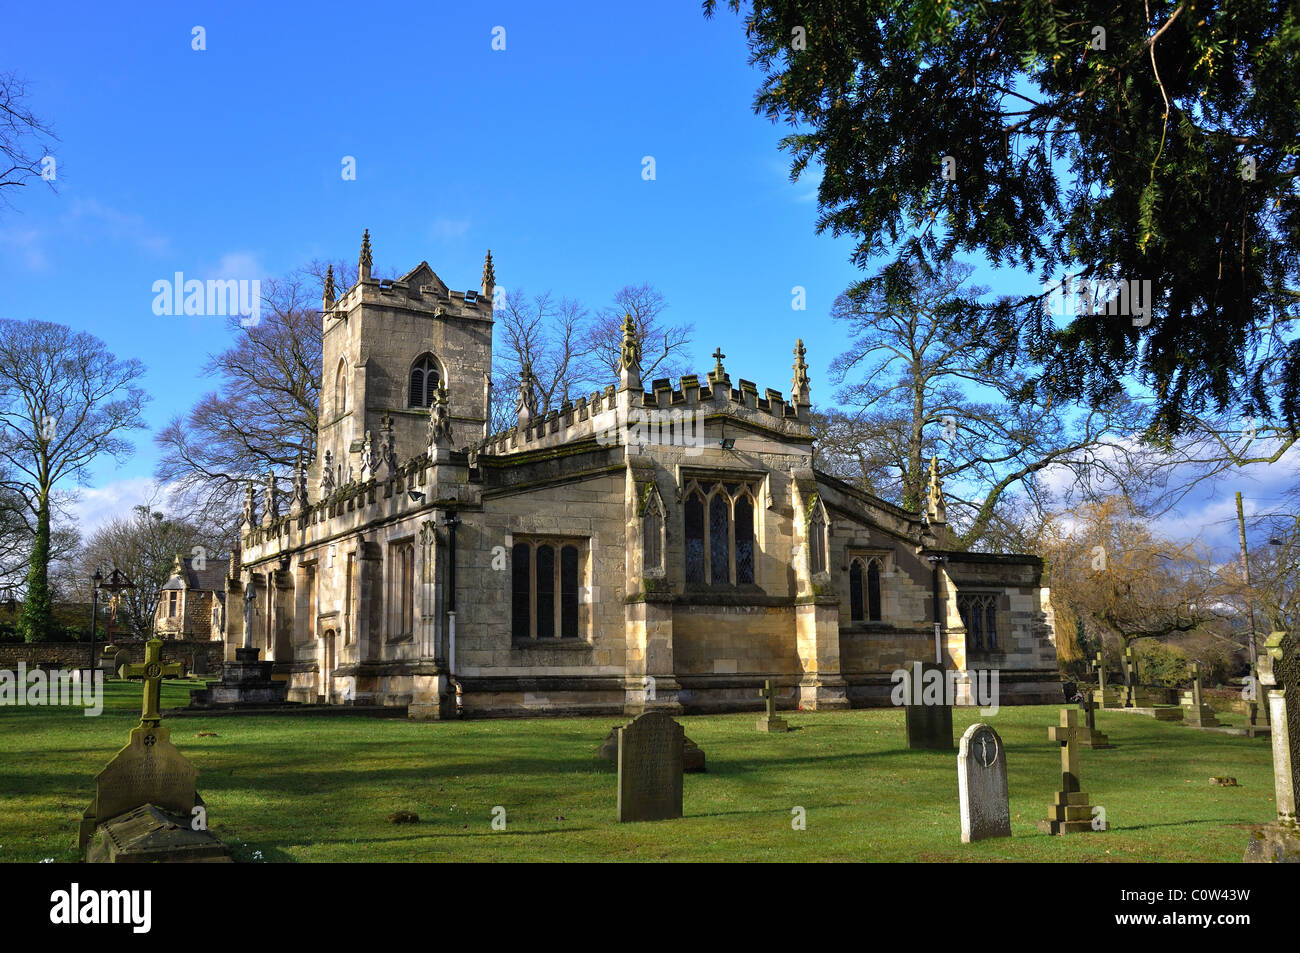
770, 721
1089, 736
650, 769
928, 726
149, 772
693, 760
982, 785
200, 666
1198, 714
1279, 674
1070, 813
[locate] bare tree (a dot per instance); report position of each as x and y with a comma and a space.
144, 546
24, 139
663, 345
263, 413
543, 335
65, 401
918, 383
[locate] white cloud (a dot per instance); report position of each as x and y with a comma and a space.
448, 229
95, 506
238, 264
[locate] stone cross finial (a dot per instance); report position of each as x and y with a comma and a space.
366, 259
719, 373
151, 671
799, 385
489, 276
329, 287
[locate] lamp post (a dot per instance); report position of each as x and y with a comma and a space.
96, 581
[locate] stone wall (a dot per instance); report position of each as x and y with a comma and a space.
74, 654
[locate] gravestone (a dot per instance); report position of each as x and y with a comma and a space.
770, 721
650, 769
693, 760
200, 663
148, 835
1279, 674
149, 772
1107, 695
928, 726
107, 661
1070, 813
1198, 714
1089, 736
121, 659
982, 785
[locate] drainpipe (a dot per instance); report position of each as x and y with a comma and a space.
451, 521
935, 559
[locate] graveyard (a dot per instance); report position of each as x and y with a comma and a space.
306, 788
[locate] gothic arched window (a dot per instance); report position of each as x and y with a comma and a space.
817, 539
546, 589
979, 613
721, 547
424, 382
864, 590
694, 537
652, 527
341, 389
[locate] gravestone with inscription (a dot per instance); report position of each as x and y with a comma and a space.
693, 760
770, 721
1070, 812
982, 785
650, 769
149, 771
1279, 676
928, 726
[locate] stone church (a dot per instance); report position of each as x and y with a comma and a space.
655, 545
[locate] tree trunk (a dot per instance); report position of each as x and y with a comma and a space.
38, 611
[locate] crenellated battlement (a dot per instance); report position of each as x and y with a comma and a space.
605, 413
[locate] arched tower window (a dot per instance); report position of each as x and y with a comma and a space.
424, 382
341, 388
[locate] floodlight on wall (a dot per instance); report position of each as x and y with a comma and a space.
416, 496
471, 297
727, 443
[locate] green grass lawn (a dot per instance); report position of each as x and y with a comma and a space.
311, 788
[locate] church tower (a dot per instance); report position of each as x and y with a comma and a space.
390, 348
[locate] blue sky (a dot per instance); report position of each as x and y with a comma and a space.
227, 161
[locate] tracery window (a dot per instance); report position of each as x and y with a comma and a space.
720, 549
652, 531
979, 614
864, 589
544, 588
